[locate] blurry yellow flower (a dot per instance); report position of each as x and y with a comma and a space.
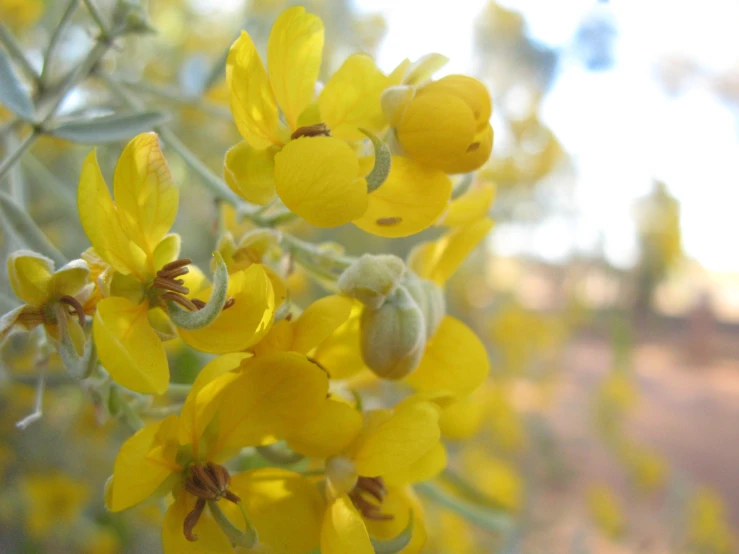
606, 510
235, 402
18, 14
54, 500
102, 541
471, 206
52, 298
495, 478
308, 160
708, 529
647, 468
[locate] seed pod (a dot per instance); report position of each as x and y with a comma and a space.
430, 299
393, 337
372, 278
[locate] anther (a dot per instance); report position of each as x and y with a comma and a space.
176, 264
181, 300
230, 302
77, 308
168, 284
317, 130
375, 486
388, 221
207, 482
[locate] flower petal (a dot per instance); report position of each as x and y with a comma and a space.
317, 179
469, 89
252, 102
30, 276
272, 395
243, 324
396, 440
439, 260
411, 199
471, 206
284, 507
128, 347
145, 195
143, 463
351, 98
455, 360
69, 279
343, 530
250, 173
101, 223
333, 429
340, 353
424, 468
168, 250
294, 54
319, 321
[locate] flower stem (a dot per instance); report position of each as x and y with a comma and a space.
15, 50
247, 538
15, 155
482, 517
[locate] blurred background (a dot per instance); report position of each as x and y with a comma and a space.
607, 292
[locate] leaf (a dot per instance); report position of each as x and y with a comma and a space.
383, 159
12, 93
205, 316
19, 224
78, 366
109, 128
396, 544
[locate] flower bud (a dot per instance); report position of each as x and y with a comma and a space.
393, 337
372, 278
430, 299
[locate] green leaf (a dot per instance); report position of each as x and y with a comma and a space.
197, 320
12, 93
78, 366
396, 544
383, 160
109, 128
19, 224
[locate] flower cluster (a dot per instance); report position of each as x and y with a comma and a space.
293, 385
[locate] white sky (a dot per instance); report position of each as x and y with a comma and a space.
620, 128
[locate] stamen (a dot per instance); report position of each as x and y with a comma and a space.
176, 264
207, 482
199, 304
230, 302
375, 486
192, 519
168, 284
317, 130
171, 274
181, 300
77, 308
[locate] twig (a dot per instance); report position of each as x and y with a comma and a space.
57, 34
38, 410
15, 50
97, 16
15, 155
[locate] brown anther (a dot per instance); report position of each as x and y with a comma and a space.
169, 284
176, 264
230, 302
171, 274
181, 300
472, 147
77, 308
199, 304
207, 482
388, 221
317, 130
192, 519
375, 486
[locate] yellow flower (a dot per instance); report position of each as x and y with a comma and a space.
708, 529
131, 236
606, 510
370, 461
308, 161
53, 500
495, 478
235, 402
443, 124
52, 298
20, 13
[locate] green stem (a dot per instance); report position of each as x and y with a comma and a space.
172, 96
127, 413
66, 17
15, 155
179, 388
18, 223
15, 50
97, 16
483, 518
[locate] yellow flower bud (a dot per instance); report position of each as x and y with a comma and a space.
372, 278
393, 337
446, 125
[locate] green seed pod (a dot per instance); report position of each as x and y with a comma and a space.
393, 337
372, 278
430, 299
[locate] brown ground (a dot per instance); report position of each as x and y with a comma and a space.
689, 412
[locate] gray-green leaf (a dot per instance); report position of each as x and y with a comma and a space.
396, 544
16, 222
205, 316
383, 160
109, 128
12, 93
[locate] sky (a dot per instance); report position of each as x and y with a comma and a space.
620, 127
